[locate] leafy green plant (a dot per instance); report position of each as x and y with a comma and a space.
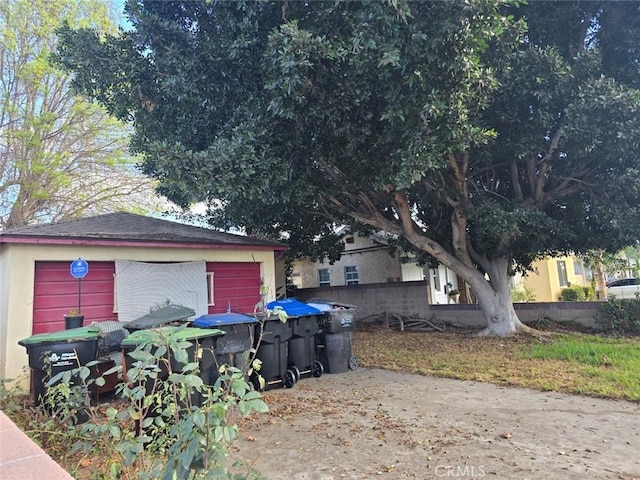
589, 292
525, 294
169, 423
182, 426
573, 294
619, 317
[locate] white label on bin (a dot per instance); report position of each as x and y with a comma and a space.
64, 359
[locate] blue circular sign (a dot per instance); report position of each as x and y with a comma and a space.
79, 268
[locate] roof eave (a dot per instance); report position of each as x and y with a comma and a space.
115, 242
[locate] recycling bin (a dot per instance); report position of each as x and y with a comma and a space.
238, 338
272, 342
304, 323
161, 317
203, 343
52, 353
335, 337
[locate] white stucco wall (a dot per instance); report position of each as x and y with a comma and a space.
17, 272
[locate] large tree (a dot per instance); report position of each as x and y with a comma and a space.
61, 156
483, 134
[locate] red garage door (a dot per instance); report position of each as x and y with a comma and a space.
56, 293
236, 285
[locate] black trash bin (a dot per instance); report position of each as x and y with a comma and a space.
52, 353
238, 338
272, 341
335, 337
161, 317
109, 356
304, 322
202, 348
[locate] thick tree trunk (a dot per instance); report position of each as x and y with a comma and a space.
502, 319
494, 299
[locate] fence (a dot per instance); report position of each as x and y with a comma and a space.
410, 298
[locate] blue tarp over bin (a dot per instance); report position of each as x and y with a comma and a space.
218, 319
293, 307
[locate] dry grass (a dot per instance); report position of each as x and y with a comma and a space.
525, 361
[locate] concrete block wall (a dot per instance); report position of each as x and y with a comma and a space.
372, 299
410, 298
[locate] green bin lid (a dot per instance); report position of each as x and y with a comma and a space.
181, 333
72, 335
168, 314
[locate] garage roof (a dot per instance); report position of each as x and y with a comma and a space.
127, 228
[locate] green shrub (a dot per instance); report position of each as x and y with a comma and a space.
522, 296
573, 294
589, 292
619, 317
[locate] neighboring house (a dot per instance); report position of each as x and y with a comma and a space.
551, 275
136, 264
367, 260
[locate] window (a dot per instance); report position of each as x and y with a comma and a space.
578, 267
210, 298
323, 277
351, 275
562, 273
435, 274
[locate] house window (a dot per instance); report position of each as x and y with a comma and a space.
435, 274
210, 298
562, 273
351, 275
578, 267
323, 277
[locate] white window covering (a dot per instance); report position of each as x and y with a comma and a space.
143, 287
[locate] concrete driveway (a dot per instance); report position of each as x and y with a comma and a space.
373, 423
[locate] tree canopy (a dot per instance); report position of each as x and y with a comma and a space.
484, 134
61, 155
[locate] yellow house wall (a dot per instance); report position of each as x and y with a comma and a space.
17, 263
545, 283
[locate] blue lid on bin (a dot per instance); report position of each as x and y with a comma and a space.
218, 319
293, 307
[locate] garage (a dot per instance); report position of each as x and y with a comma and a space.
204, 269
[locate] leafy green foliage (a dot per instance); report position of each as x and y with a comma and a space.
524, 294
482, 134
61, 156
573, 294
169, 424
619, 317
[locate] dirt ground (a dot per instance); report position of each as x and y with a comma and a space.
373, 423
